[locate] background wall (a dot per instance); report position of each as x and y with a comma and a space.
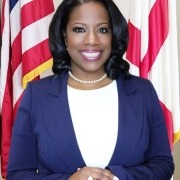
177, 145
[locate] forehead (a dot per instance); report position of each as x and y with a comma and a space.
90, 11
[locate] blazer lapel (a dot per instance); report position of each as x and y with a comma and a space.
59, 124
60, 127
130, 121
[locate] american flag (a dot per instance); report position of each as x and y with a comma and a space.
24, 56
153, 54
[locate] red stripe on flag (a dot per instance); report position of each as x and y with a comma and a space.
8, 119
16, 53
7, 122
158, 31
32, 59
38, 8
3, 18
134, 47
169, 123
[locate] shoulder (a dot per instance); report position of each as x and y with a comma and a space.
140, 83
40, 84
51, 85
47, 81
47, 84
135, 83
145, 87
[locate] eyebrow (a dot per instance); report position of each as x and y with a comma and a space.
103, 23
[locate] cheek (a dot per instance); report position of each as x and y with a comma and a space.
107, 48
73, 45
107, 45
73, 41
106, 41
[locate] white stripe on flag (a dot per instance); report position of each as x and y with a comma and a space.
4, 56
35, 37
15, 21
17, 82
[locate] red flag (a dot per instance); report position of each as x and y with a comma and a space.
24, 56
153, 54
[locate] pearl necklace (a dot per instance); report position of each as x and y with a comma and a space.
87, 82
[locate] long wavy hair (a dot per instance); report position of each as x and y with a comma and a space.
61, 59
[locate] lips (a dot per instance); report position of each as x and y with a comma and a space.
91, 55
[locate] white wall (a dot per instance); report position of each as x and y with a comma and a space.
177, 145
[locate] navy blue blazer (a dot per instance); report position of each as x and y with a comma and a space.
44, 144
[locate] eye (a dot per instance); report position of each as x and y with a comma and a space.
78, 29
103, 30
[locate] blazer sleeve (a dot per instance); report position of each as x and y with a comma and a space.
23, 160
158, 163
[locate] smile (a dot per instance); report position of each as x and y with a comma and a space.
91, 55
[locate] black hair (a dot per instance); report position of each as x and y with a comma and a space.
61, 59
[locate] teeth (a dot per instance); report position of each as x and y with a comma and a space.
91, 54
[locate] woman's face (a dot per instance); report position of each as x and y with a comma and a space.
88, 38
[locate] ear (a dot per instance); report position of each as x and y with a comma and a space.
65, 38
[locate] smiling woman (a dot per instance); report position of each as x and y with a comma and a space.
88, 41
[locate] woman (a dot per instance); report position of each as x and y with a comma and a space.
92, 119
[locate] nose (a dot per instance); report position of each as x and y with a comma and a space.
91, 38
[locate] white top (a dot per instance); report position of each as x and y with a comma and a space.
95, 119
